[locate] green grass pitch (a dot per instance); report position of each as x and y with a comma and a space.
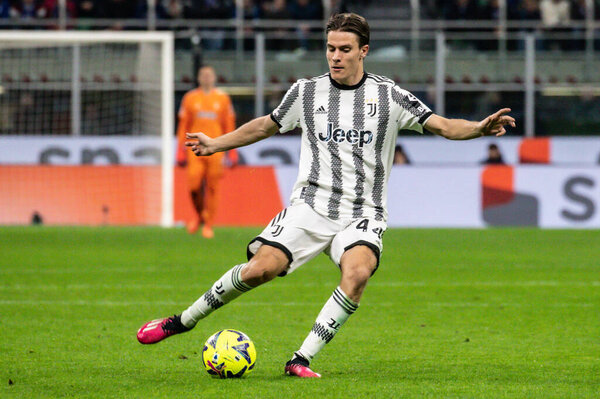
498, 313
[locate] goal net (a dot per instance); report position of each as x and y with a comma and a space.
86, 127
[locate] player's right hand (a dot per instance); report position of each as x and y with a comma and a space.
199, 143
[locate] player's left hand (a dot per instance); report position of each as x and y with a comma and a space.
494, 124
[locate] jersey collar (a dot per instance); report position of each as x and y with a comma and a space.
346, 87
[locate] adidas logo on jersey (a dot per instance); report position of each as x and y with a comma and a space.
352, 136
321, 110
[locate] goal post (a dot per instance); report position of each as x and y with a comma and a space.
92, 85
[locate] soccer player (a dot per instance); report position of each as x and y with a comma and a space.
205, 109
350, 120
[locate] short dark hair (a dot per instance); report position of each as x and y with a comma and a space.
350, 22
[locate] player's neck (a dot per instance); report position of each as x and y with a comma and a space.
351, 82
206, 90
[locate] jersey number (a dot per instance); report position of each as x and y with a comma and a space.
363, 225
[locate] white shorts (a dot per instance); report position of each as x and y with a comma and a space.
301, 233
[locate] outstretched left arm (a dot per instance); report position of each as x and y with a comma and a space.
460, 129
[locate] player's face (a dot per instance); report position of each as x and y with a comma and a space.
206, 78
345, 57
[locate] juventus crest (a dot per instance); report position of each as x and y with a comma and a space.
371, 109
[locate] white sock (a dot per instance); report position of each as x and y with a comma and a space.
223, 291
334, 314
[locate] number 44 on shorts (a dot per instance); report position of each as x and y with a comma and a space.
364, 226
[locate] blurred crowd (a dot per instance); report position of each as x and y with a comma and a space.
166, 9
549, 12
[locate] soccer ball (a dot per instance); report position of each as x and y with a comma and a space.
228, 354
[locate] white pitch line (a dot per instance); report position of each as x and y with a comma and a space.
291, 304
425, 284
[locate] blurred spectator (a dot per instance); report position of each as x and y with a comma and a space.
212, 39
173, 8
305, 10
4, 8
209, 9
461, 9
578, 13
494, 156
556, 14
165, 9
119, 9
528, 10
251, 9
51, 8
89, 9
400, 157
489, 9
277, 9
142, 10
578, 10
28, 9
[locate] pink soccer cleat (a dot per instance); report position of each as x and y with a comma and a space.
156, 330
298, 367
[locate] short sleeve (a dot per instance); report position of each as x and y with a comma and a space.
413, 113
287, 114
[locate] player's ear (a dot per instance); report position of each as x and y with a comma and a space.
364, 50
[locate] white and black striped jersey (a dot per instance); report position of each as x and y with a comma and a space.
348, 140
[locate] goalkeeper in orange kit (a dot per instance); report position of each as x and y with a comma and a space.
209, 110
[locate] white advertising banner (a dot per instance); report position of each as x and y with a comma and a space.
282, 150
535, 196
563, 197
575, 150
48, 150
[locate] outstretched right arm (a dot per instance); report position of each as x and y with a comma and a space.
251, 132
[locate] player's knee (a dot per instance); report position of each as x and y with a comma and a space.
263, 267
256, 274
358, 264
358, 274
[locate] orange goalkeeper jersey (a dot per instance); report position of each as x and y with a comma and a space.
210, 113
